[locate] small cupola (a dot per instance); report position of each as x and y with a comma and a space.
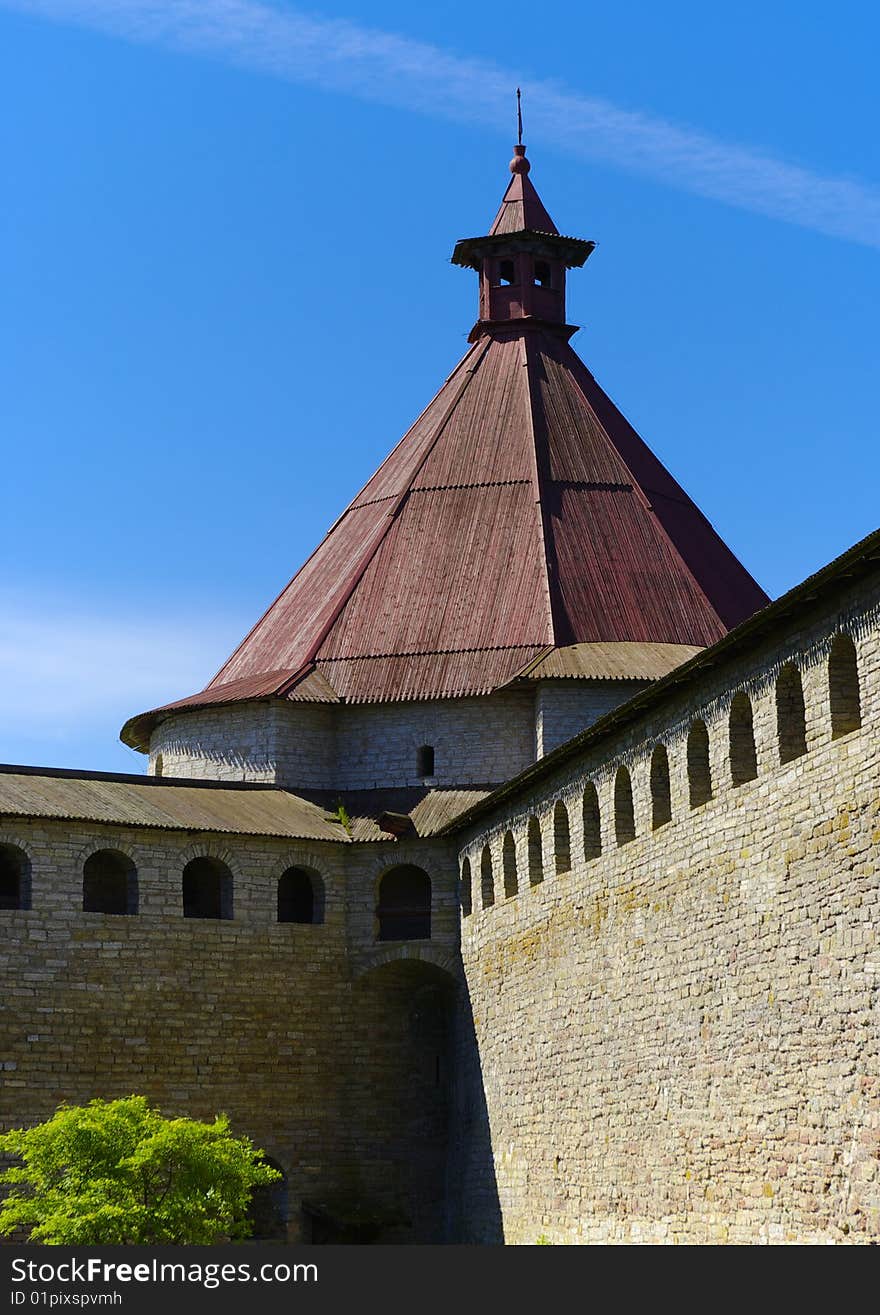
522, 261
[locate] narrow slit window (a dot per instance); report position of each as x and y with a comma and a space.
624, 815
536, 852
592, 823
425, 760
743, 755
843, 687
561, 839
487, 879
699, 770
791, 716
661, 795
465, 893
508, 858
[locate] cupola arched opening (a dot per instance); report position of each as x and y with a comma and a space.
300, 896
207, 889
110, 883
404, 908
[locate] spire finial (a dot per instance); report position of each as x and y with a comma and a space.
519, 164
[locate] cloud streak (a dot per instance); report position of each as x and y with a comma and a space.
346, 57
65, 668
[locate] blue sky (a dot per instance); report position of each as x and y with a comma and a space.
224, 250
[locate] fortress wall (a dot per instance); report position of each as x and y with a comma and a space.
564, 708
268, 1022
679, 1039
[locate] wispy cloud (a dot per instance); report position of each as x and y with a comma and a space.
414, 75
70, 667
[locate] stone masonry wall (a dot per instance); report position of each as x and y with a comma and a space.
279, 1025
679, 1038
351, 747
564, 708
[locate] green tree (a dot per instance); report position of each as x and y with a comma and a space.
118, 1172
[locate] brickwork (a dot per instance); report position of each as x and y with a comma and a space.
351, 747
249, 1016
564, 708
679, 1037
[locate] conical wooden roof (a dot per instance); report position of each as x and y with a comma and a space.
519, 515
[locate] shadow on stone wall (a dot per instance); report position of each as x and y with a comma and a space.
420, 1154
473, 1205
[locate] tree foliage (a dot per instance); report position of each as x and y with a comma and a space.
118, 1172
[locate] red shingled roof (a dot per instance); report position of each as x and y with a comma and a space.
520, 513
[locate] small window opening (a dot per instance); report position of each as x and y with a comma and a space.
536, 852
15, 878
592, 823
543, 277
425, 760
743, 755
109, 883
561, 838
791, 717
699, 771
160, 766
300, 896
508, 857
661, 796
207, 889
506, 273
465, 889
487, 879
404, 910
624, 816
843, 687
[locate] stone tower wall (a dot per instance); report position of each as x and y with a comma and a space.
679, 1037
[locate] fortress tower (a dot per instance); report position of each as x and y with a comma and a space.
518, 565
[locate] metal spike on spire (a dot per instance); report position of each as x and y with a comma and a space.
518, 118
